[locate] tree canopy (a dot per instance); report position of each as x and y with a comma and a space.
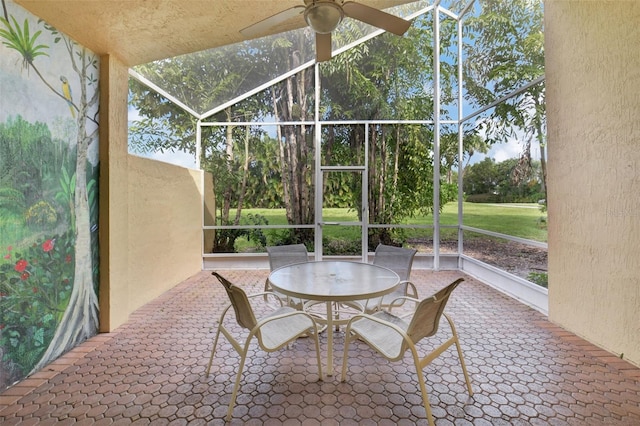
384, 78
504, 51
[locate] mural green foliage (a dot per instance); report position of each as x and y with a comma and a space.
24, 147
35, 278
28, 182
35, 285
66, 193
22, 41
48, 238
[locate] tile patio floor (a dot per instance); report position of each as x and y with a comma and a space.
524, 370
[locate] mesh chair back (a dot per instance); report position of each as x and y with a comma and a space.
426, 317
398, 259
240, 303
286, 255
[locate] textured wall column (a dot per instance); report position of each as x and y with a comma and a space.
593, 107
113, 294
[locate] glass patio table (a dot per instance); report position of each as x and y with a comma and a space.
333, 281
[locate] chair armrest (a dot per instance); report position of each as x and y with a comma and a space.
265, 295
401, 300
291, 313
372, 318
411, 290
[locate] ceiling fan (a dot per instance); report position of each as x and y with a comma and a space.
323, 16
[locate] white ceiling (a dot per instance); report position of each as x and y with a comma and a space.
141, 31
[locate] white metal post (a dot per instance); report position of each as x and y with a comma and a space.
436, 139
460, 146
318, 167
365, 197
202, 195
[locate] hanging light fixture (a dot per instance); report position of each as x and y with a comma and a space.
323, 15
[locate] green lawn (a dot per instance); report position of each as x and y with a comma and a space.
519, 220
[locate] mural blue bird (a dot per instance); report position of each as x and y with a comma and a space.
66, 91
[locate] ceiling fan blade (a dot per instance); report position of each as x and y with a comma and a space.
323, 47
265, 25
376, 17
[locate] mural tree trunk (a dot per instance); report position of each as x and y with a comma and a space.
80, 319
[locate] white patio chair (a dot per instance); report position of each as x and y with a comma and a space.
400, 261
391, 336
282, 256
273, 331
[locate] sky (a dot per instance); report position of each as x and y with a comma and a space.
179, 158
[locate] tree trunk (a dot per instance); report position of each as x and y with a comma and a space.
395, 169
304, 169
284, 175
543, 153
228, 191
245, 172
80, 319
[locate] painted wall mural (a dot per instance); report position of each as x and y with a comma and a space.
48, 193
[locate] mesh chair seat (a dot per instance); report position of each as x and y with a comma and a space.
277, 332
382, 335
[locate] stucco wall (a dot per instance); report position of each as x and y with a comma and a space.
164, 227
593, 105
150, 213
113, 217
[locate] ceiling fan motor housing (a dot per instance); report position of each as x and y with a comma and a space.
323, 15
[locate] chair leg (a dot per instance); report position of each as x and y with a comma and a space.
213, 351
317, 342
464, 367
236, 386
459, 349
423, 388
347, 341
336, 318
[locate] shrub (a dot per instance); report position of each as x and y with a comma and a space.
482, 198
540, 278
35, 285
339, 246
41, 214
225, 239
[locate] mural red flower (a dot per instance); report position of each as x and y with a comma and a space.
24, 276
21, 265
47, 245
